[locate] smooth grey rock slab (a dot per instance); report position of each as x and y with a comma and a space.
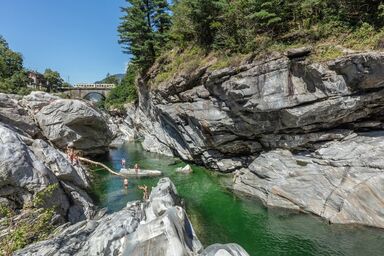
341, 181
66, 121
23, 175
15, 116
186, 169
224, 250
37, 100
157, 227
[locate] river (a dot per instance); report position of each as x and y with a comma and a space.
218, 216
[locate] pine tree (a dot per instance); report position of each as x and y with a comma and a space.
136, 34
162, 21
144, 30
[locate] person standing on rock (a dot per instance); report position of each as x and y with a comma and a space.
123, 163
145, 190
71, 152
235, 176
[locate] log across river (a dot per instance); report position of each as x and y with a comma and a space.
125, 172
83, 159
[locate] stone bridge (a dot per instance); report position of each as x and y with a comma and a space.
93, 92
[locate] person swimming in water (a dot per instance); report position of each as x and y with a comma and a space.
125, 182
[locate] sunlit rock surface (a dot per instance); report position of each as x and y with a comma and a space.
158, 227
76, 122
26, 170
341, 181
256, 119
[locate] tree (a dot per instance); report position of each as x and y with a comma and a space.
162, 22
110, 80
125, 91
136, 33
13, 78
53, 79
10, 61
143, 30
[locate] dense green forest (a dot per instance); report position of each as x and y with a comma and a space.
182, 35
124, 92
150, 27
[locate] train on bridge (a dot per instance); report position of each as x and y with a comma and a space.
94, 92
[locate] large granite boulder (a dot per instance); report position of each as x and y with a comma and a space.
36, 100
22, 175
157, 227
74, 121
15, 116
27, 170
341, 181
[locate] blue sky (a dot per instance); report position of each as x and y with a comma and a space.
77, 38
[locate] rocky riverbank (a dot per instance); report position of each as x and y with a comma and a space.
33, 129
299, 134
40, 189
158, 226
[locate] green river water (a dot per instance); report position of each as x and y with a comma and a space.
218, 216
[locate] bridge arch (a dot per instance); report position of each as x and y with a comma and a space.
94, 96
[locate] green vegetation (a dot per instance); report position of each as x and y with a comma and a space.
34, 225
144, 33
13, 78
144, 30
124, 92
251, 25
109, 79
53, 79
219, 33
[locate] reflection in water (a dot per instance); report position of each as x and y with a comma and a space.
220, 217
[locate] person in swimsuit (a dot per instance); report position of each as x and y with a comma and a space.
145, 190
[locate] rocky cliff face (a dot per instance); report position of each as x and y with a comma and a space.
269, 112
31, 129
158, 227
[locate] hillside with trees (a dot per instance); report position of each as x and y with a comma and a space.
191, 33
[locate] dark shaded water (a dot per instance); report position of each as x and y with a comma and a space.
220, 217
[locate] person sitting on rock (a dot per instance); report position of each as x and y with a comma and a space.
137, 168
72, 156
76, 158
145, 190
